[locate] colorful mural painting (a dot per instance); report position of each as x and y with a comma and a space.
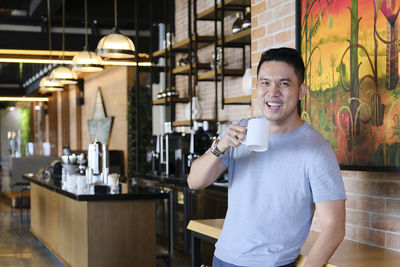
351, 52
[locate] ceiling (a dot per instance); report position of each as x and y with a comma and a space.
24, 25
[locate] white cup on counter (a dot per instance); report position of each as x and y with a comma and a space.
113, 183
81, 184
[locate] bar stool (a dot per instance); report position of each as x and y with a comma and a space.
19, 199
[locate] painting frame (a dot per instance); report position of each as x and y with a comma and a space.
380, 154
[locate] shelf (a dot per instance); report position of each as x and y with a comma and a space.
187, 122
183, 46
241, 100
163, 101
202, 40
184, 70
159, 53
238, 39
210, 75
231, 6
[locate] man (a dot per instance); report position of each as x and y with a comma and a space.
272, 195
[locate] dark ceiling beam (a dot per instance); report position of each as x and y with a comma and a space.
13, 91
39, 41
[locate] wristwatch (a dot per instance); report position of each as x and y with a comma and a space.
215, 150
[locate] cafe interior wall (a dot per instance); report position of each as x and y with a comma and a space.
373, 198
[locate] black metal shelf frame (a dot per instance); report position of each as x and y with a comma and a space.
221, 42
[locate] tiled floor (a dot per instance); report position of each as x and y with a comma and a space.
18, 247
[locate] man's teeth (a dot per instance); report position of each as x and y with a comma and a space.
274, 104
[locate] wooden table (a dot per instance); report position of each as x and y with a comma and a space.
348, 254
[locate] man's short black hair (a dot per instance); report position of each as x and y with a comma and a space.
284, 54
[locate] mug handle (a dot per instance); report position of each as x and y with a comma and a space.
244, 141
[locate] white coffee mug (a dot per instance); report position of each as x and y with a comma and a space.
257, 136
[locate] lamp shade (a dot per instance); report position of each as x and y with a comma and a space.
87, 61
63, 75
116, 45
46, 85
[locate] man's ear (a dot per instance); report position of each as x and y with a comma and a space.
303, 90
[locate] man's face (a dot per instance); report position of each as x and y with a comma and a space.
278, 91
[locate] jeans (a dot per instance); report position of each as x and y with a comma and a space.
219, 263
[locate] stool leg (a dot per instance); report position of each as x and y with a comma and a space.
20, 206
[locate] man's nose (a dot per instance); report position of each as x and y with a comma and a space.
273, 90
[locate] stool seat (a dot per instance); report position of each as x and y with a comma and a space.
13, 199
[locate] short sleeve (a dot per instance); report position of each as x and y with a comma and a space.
324, 175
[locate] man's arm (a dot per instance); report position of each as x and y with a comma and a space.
332, 218
206, 169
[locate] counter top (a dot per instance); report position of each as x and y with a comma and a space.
178, 180
136, 193
175, 180
348, 254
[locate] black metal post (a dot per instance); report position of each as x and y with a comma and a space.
190, 61
223, 55
215, 57
137, 86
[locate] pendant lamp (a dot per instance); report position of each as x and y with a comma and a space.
63, 74
46, 85
116, 45
87, 61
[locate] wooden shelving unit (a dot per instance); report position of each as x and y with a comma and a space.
163, 101
187, 122
245, 100
183, 46
184, 70
240, 38
231, 6
210, 75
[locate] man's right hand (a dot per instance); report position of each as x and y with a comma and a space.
232, 138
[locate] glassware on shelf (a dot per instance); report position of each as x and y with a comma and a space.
181, 62
216, 60
246, 19
161, 94
169, 39
237, 25
172, 91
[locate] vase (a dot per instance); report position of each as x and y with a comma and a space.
237, 24
247, 82
196, 109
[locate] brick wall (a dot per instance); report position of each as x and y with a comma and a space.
373, 205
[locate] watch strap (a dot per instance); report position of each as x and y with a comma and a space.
214, 150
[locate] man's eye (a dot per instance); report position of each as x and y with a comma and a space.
284, 84
265, 83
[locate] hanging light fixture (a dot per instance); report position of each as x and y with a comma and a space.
63, 74
46, 85
116, 45
87, 61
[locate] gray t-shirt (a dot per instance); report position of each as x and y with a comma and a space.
271, 197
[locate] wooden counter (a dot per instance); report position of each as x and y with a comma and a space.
348, 254
119, 231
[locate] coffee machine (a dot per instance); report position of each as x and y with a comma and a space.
174, 146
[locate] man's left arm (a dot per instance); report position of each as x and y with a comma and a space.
332, 219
